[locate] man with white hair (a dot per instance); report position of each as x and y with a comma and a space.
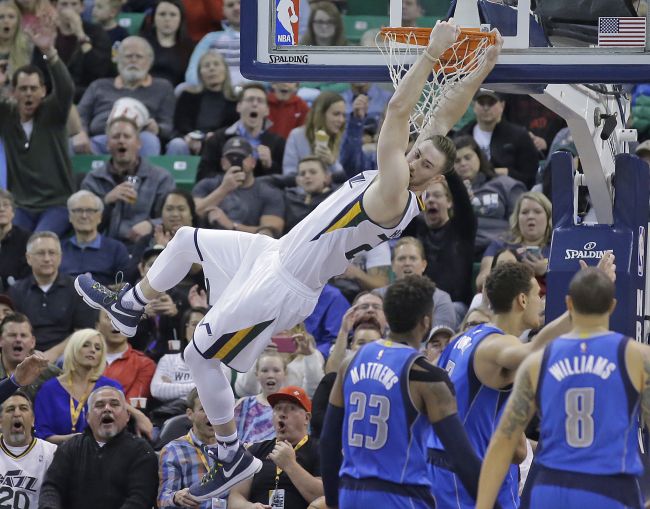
104, 467
134, 61
88, 250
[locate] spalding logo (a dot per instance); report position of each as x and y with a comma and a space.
587, 252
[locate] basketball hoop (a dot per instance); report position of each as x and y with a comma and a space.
402, 45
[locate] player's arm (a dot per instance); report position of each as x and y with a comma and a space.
511, 356
637, 361
516, 416
331, 444
457, 99
433, 393
389, 193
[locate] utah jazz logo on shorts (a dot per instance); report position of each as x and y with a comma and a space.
286, 22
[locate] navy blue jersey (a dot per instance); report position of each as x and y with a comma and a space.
479, 409
384, 435
589, 407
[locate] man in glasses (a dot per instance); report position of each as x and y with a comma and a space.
88, 250
253, 126
47, 296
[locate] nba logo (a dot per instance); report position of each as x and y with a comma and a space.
641, 252
286, 22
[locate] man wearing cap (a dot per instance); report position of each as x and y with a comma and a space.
237, 200
253, 125
508, 146
290, 475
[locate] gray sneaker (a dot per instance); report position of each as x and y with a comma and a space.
97, 296
224, 475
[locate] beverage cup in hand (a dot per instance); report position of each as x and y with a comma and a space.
321, 138
135, 182
140, 403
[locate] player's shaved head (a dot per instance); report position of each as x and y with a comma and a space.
407, 301
591, 292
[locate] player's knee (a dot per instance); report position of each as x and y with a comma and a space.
184, 235
192, 356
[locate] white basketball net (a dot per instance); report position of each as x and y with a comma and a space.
401, 55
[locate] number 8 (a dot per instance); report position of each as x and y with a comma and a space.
579, 424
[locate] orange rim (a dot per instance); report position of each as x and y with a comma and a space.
469, 40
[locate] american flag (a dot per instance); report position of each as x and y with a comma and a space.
621, 32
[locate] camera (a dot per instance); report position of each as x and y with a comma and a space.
235, 159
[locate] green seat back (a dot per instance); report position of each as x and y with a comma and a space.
132, 21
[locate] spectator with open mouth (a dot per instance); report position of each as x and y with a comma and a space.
290, 474
253, 414
21, 454
105, 466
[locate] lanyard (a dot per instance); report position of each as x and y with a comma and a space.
278, 470
199, 451
75, 411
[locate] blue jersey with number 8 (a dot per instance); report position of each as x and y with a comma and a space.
384, 435
589, 407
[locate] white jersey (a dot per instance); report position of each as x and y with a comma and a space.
323, 244
21, 476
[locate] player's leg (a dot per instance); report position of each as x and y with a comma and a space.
235, 463
188, 246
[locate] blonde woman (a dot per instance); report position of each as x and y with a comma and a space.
326, 119
529, 236
60, 409
253, 414
15, 48
304, 365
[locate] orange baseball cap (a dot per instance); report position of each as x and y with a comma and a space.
291, 393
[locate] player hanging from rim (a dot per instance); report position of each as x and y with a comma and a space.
588, 386
259, 285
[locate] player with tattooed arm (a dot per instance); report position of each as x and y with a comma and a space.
589, 386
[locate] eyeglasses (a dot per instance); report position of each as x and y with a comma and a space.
5, 205
42, 254
323, 23
81, 212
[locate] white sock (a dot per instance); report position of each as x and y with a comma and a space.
227, 447
134, 299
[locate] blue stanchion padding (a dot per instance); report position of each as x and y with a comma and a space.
626, 238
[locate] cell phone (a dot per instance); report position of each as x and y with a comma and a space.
534, 250
235, 159
285, 344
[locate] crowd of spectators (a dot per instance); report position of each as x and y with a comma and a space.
73, 82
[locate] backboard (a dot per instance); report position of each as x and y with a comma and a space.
559, 41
